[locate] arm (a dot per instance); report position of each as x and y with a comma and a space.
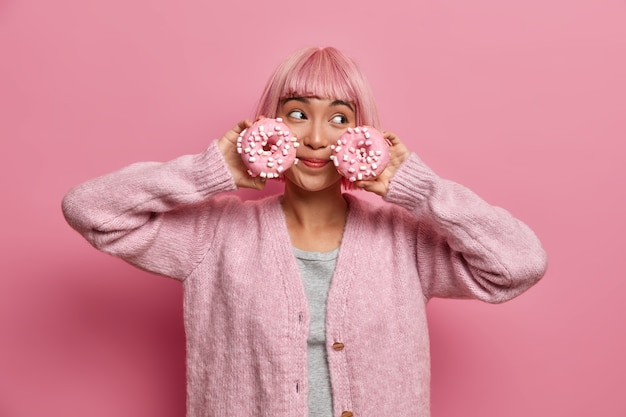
148, 213
160, 216
466, 248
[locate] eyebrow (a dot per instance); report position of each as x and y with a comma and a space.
307, 101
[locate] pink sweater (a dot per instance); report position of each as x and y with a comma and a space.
246, 315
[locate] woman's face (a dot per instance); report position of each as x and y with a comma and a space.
317, 123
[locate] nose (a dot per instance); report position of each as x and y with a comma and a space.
315, 137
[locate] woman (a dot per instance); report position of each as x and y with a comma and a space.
311, 302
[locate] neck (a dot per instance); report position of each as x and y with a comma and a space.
315, 219
311, 210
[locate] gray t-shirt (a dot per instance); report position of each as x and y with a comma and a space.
317, 270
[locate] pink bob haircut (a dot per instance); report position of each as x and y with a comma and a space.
320, 72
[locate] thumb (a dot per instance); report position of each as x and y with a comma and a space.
375, 187
256, 183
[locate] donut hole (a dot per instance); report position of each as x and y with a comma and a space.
267, 146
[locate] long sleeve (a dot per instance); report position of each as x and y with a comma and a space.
154, 215
466, 248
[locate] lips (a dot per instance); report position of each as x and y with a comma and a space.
314, 162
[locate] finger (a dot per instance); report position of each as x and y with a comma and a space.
256, 183
244, 124
259, 183
371, 186
233, 133
392, 138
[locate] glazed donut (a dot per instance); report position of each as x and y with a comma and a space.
267, 148
361, 153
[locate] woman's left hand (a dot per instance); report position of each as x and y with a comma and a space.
398, 153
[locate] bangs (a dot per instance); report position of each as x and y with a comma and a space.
319, 76
324, 73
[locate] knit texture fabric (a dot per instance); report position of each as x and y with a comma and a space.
245, 309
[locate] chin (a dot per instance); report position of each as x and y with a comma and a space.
314, 184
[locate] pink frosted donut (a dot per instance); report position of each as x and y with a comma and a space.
361, 153
267, 148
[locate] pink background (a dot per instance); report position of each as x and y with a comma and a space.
523, 101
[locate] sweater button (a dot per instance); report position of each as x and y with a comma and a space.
347, 414
339, 346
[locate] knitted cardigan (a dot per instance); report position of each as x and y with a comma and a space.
245, 309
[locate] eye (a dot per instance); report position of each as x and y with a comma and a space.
297, 114
339, 119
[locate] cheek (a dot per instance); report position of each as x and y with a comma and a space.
336, 134
294, 129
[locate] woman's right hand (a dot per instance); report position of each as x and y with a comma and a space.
228, 146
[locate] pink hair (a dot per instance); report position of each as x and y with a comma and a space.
324, 73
